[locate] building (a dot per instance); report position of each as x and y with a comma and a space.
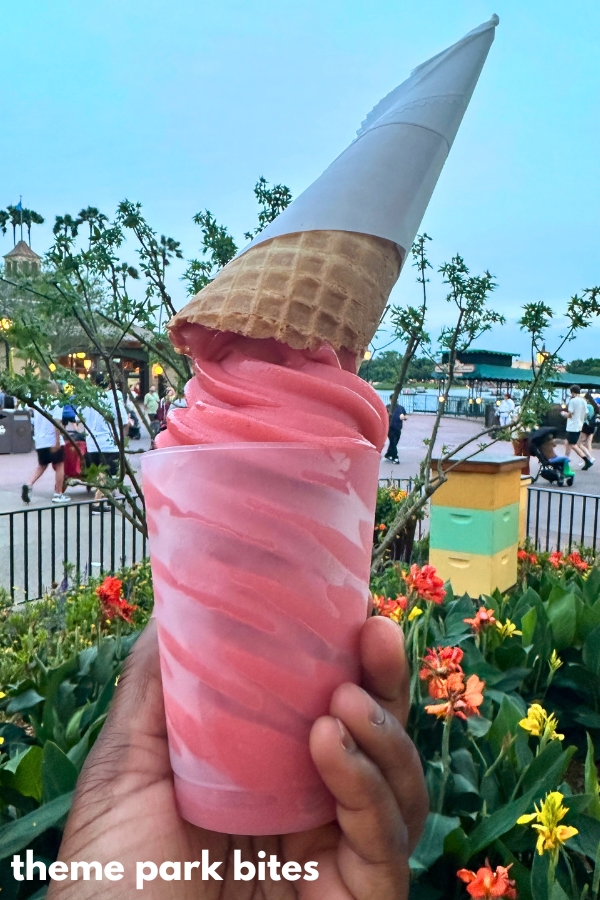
22, 260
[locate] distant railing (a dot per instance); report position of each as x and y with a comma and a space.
41, 545
454, 406
558, 520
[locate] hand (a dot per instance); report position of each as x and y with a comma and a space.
124, 809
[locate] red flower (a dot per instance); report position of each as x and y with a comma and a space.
462, 699
426, 582
112, 604
556, 559
381, 527
483, 619
522, 555
533, 559
575, 559
488, 883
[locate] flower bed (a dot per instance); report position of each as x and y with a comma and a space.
505, 713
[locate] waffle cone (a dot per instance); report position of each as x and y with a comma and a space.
301, 289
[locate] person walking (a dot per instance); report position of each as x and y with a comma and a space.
506, 411
49, 446
576, 414
394, 433
588, 428
151, 403
101, 446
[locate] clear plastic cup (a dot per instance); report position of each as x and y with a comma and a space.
260, 559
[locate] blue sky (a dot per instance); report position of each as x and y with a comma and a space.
183, 105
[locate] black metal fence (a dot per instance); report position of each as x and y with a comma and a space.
558, 520
453, 406
39, 546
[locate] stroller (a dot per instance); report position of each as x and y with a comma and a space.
556, 470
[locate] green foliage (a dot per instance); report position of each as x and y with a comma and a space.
385, 366
218, 246
486, 772
49, 631
589, 366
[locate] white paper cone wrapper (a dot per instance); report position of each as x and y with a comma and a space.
381, 184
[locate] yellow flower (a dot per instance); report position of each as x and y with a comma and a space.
414, 613
2, 695
551, 835
540, 724
508, 629
555, 662
1, 741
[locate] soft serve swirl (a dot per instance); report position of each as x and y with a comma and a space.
246, 389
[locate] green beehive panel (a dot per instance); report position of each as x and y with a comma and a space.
474, 530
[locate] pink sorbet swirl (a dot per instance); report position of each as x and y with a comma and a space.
246, 389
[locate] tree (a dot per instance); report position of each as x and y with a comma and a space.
85, 293
409, 322
15, 216
93, 217
4, 217
273, 201
589, 366
218, 246
31, 217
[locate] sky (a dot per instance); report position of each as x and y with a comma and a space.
183, 105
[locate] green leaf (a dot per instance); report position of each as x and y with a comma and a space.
431, 846
589, 619
23, 701
22, 832
539, 876
519, 872
528, 623
456, 845
478, 726
26, 770
591, 651
588, 839
505, 724
58, 772
538, 767
591, 779
505, 818
562, 614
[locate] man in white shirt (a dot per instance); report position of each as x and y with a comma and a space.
101, 447
50, 451
576, 414
506, 411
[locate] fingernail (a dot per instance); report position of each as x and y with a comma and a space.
345, 737
377, 714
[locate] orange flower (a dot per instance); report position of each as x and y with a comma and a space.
556, 559
441, 662
391, 609
488, 883
522, 555
381, 527
483, 619
575, 559
426, 582
112, 604
462, 699
533, 559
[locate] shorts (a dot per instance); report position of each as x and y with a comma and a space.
588, 428
46, 456
573, 437
110, 460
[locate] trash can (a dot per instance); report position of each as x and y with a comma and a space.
21, 439
5, 431
490, 415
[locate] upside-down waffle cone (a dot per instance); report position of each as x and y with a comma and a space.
300, 289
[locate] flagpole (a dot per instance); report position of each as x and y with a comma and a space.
21, 212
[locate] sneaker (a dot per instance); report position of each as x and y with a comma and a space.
26, 493
587, 464
61, 498
97, 510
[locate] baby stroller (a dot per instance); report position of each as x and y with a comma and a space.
555, 469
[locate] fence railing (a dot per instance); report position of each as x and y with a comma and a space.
428, 403
562, 519
40, 545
